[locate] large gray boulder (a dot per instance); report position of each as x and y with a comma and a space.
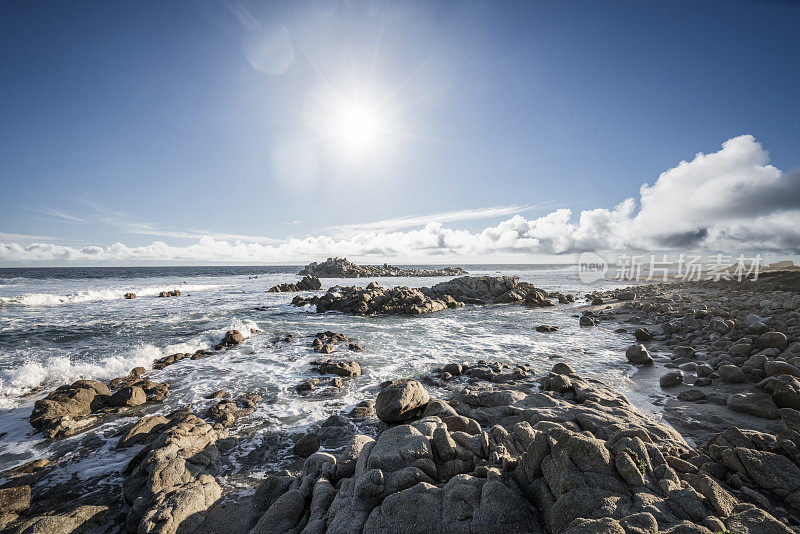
401, 401
638, 355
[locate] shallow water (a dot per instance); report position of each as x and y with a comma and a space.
59, 325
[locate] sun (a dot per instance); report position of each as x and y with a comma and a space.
357, 127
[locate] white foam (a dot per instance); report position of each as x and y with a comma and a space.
93, 295
59, 370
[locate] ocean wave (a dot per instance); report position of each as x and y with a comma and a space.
59, 370
94, 295
16, 280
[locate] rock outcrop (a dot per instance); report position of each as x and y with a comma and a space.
170, 484
375, 299
307, 283
76, 407
577, 457
495, 290
341, 268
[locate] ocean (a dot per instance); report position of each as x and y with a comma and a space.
58, 325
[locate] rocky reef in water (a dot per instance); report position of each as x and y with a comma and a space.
376, 299
342, 268
307, 283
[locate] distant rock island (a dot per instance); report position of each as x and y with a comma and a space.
342, 268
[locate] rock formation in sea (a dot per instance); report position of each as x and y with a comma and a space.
307, 283
455, 293
342, 268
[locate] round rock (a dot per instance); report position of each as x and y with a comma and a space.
401, 401
638, 355
671, 379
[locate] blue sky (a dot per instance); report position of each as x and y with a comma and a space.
293, 130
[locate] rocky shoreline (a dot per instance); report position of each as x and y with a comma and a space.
342, 268
478, 446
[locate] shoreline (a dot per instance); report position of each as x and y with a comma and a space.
705, 419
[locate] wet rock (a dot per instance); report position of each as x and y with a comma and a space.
355, 347
642, 334
786, 392
731, 374
143, 431
454, 369
401, 401
170, 484
62, 413
671, 379
28, 468
343, 368
128, 396
770, 340
307, 283
227, 411
692, 395
396, 301
231, 338
363, 410
306, 445
84, 519
546, 328
129, 296
586, 320
638, 355
218, 394
754, 403
491, 289
15, 500
307, 385
171, 293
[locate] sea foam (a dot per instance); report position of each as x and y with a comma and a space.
94, 295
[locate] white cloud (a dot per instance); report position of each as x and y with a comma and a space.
730, 200
388, 225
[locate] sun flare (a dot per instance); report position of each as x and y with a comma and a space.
357, 127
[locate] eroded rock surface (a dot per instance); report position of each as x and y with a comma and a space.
577, 457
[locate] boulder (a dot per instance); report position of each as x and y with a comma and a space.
306, 445
128, 396
344, 368
731, 374
401, 401
770, 340
671, 379
754, 403
638, 355
231, 338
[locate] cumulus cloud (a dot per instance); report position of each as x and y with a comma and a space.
731, 200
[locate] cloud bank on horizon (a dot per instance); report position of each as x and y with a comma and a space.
730, 200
